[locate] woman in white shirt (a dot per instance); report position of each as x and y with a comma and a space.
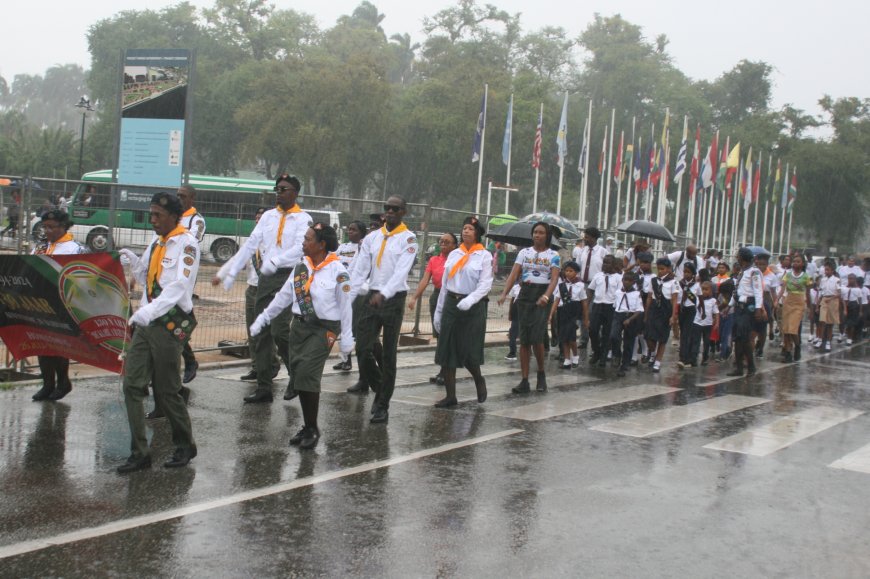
460, 315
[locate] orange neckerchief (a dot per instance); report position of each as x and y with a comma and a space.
388, 234
294, 209
158, 252
51, 246
466, 253
190, 212
330, 257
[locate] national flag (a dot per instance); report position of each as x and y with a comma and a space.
536, 150
785, 189
602, 160
723, 169
694, 171
714, 153
768, 184
646, 180
756, 179
792, 189
747, 180
617, 168
629, 162
584, 151
680, 166
478, 135
508, 129
562, 135
707, 171
774, 194
637, 171
732, 165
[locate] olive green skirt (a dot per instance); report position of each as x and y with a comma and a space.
309, 349
462, 336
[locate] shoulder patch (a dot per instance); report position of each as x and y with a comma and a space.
188, 260
411, 250
342, 277
412, 239
186, 272
190, 250
345, 288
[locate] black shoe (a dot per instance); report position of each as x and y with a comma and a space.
61, 391
735, 372
190, 372
522, 388
446, 403
541, 386
797, 354
185, 394
250, 376
180, 457
290, 393
155, 414
258, 397
297, 438
380, 415
43, 393
602, 363
275, 372
621, 372
439, 380
787, 358
359, 388
751, 371
133, 464
309, 441
344, 366
481, 390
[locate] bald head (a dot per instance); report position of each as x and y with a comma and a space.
691, 251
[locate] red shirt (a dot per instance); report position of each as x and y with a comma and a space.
436, 268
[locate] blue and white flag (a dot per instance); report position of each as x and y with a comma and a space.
581, 166
680, 167
562, 136
508, 128
478, 135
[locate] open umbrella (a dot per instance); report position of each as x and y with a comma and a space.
757, 250
501, 219
649, 229
568, 230
517, 233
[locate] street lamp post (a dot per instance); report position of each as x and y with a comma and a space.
84, 104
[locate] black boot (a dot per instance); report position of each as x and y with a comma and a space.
542, 382
797, 353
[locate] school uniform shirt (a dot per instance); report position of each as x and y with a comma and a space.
866, 278
678, 261
771, 280
707, 308
473, 280
712, 263
852, 294
391, 276
590, 259
846, 270
605, 286
669, 288
812, 270
64, 247
695, 289
536, 265
194, 222
815, 297
628, 301
645, 283
347, 253
750, 285
576, 293
278, 252
180, 265
330, 295
829, 286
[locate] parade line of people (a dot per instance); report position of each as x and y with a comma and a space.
306, 292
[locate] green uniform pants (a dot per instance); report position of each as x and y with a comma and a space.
276, 334
154, 354
388, 317
250, 316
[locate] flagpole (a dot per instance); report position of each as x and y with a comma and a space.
680, 180
537, 170
510, 146
587, 139
790, 219
766, 200
480, 160
609, 165
601, 185
621, 159
773, 230
630, 181
562, 154
713, 237
747, 193
784, 198
646, 205
637, 192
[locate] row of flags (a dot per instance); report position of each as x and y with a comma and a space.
715, 171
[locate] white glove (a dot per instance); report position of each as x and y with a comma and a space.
228, 282
131, 257
268, 268
261, 322
140, 318
464, 305
437, 324
347, 347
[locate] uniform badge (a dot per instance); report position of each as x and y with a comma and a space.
190, 250
342, 277
186, 273
345, 288
188, 260
412, 239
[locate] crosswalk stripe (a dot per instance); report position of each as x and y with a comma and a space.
465, 392
644, 425
858, 461
854, 363
782, 433
578, 402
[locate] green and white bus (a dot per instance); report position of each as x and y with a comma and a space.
228, 205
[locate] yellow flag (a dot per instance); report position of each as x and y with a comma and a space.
734, 157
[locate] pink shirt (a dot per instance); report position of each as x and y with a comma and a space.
436, 268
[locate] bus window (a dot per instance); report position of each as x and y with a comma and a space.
93, 197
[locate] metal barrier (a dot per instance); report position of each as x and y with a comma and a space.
221, 315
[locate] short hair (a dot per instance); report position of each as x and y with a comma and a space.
629, 275
453, 237
324, 232
289, 179
359, 225
572, 265
593, 232
189, 188
664, 262
61, 217
169, 202
644, 257
707, 284
690, 265
400, 198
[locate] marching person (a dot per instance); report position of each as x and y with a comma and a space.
195, 224
795, 297
347, 253
603, 287
435, 273
571, 305
661, 312
762, 330
748, 302
460, 314
538, 268
689, 292
706, 322
630, 259
590, 258
829, 305
166, 271
852, 298
627, 319
319, 295
385, 258
58, 241
680, 258
278, 236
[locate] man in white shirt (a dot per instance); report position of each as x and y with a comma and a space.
679, 258
590, 258
385, 257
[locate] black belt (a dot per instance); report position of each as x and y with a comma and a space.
283, 271
397, 295
456, 296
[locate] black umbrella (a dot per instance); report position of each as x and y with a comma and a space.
567, 229
518, 233
757, 250
649, 229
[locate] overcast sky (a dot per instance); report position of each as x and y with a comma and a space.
812, 45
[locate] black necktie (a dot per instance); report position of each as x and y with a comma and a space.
703, 310
624, 300
586, 269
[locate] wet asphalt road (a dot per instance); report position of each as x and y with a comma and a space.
598, 477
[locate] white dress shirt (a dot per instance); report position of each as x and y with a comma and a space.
474, 280
347, 253
708, 307
391, 277
750, 285
594, 262
605, 286
195, 224
576, 290
628, 301
180, 266
265, 238
681, 258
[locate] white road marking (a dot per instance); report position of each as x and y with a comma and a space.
580, 401
141, 521
644, 425
858, 461
782, 433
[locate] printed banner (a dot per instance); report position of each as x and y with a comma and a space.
75, 306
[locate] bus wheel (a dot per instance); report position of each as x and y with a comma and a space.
223, 249
98, 240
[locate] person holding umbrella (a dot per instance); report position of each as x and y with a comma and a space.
538, 268
460, 314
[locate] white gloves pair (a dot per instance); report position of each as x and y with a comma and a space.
131, 257
268, 268
140, 318
261, 322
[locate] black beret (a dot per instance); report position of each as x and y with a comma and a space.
167, 201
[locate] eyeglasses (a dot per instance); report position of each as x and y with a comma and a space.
283, 189
393, 208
